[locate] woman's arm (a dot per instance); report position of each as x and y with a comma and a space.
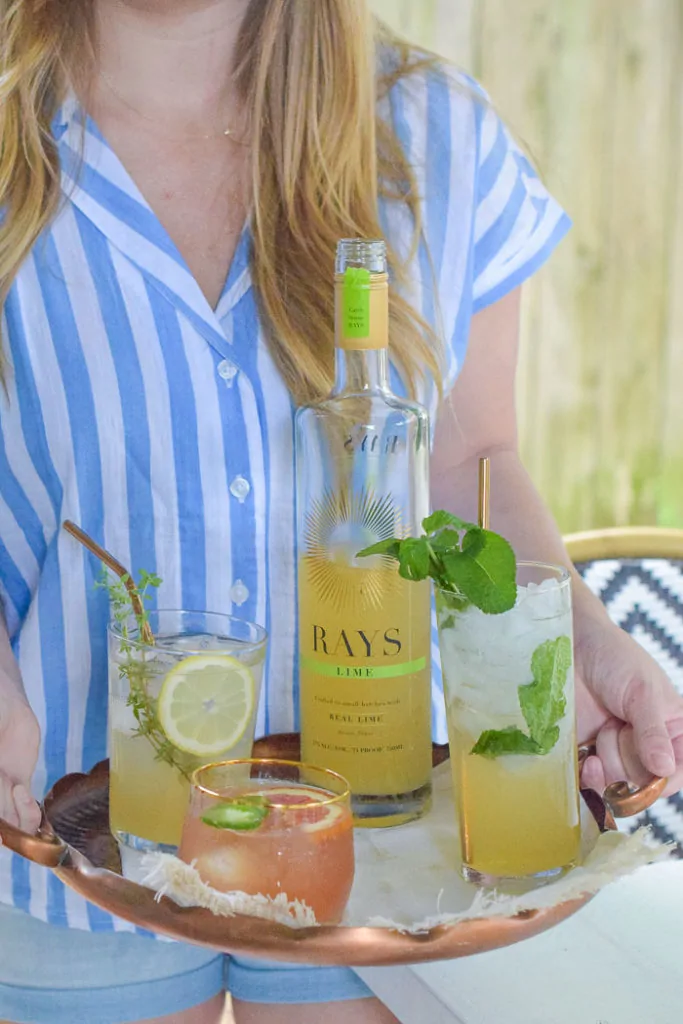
10, 676
479, 418
19, 742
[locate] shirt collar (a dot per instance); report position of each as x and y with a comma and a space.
97, 183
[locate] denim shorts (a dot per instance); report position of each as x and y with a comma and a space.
52, 975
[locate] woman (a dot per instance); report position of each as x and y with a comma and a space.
154, 352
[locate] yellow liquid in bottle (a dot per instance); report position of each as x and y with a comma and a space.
365, 684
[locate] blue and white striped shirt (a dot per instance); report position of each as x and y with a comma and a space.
164, 429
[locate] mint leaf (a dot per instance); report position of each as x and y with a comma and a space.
548, 739
390, 547
445, 541
473, 565
438, 520
484, 571
414, 558
497, 742
475, 540
543, 705
543, 702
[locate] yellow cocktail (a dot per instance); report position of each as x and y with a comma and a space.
510, 696
189, 699
147, 797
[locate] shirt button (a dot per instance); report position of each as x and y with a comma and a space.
240, 488
227, 370
238, 593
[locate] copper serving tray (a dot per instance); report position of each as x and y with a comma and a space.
74, 841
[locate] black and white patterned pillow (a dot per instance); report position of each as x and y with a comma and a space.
645, 597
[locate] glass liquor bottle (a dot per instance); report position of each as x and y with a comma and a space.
364, 632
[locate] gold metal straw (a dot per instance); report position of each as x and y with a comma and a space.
116, 568
484, 492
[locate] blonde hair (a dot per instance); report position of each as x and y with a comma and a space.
321, 158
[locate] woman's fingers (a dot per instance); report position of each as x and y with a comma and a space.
592, 775
8, 811
646, 711
27, 810
616, 747
17, 806
618, 760
676, 780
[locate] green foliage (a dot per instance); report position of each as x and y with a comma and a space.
467, 563
543, 705
499, 742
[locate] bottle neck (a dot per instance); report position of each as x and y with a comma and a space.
359, 371
362, 332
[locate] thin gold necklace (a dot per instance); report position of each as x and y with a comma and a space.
226, 132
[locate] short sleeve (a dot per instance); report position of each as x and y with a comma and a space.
487, 222
517, 223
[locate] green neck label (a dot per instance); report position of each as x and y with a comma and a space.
356, 305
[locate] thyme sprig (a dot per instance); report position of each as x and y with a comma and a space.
136, 667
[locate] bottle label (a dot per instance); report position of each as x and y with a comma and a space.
362, 310
364, 650
346, 671
356, 301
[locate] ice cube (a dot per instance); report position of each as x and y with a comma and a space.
485, 658
226, 869
549, 600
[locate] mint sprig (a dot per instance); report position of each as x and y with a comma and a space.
543, 702
543, 705
499, 742
473, 565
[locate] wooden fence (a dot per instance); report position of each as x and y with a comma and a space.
594, 89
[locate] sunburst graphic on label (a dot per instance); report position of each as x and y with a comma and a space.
338, 526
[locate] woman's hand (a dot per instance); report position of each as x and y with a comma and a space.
628, 704
632, 708
19, 743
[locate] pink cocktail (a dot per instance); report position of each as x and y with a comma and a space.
272, 827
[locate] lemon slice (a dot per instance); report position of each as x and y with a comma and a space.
206, 703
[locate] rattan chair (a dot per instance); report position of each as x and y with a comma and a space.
638, 574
